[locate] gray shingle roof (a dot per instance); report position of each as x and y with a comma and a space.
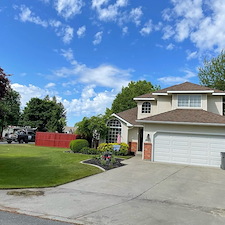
188, 116
129, 115
149, 95
187, 86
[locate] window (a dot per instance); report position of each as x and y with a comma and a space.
146, 107
114, 130
192, 101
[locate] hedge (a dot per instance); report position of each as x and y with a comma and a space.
77, 145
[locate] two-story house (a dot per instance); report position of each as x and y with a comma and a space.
183, 124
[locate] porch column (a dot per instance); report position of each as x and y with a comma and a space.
133, 146
147, 151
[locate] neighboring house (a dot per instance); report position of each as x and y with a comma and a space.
69, 130
183, 124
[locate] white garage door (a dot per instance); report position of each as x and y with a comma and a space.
189, 149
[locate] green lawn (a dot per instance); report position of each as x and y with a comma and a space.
29, 166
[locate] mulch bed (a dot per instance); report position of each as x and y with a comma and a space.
106, 167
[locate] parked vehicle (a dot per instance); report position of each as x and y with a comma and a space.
20, 134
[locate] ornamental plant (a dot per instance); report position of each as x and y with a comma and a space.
77, 145
108, 147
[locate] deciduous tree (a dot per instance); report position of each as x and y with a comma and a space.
212, 74
92, 128
45, 114
124, 99
4, 83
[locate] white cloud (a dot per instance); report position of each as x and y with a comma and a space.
168, 32
31, 91
27, 15
68, 54
192, 55
99, 3
88, 92
88, 104
104, 75
125, 30
170, 46
68, 8
67, 34
50, 85
81, 31
135, 15
147, 29
117, 12
200, 21
61, 30
169, 80
98, 38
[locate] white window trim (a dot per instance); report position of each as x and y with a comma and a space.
188, 107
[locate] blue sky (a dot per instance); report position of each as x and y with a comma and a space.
83, 52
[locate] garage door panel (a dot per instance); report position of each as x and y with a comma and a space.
199, 161
196, 153
179, 159
215, 162
190, 149
180, 151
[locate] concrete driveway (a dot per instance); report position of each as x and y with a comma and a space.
140, 193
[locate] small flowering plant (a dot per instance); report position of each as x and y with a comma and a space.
107, 156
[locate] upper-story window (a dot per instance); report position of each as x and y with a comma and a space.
146, 107
189, 101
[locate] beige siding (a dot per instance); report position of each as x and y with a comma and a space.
164, 104
174, 102
215, 104
144, 115
124, 133
204, 102
133, 134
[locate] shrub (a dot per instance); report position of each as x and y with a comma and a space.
77, 145
105, 147
108, 147
89, 151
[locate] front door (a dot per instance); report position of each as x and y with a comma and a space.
140, 139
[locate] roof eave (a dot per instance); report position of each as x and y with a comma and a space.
143, 99
190, 92
123, 120
217, 93
181, 123
163, 93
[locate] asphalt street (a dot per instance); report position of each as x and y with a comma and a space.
7, 218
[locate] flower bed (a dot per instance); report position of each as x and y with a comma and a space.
107, 165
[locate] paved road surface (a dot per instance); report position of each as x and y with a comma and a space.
7, 218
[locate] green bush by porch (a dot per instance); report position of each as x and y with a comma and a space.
108, 147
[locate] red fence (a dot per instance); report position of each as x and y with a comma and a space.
54, 139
